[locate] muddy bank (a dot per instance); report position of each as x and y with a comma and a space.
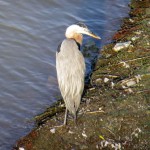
114, 113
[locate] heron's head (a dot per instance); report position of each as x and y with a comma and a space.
75, 31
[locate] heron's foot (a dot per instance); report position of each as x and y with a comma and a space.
75, 121
65, 119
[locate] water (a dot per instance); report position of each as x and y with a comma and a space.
29, 34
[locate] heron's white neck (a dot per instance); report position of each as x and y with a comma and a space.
72, 32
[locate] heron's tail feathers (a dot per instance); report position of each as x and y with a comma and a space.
72, 105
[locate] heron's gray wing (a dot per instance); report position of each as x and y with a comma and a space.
70, 67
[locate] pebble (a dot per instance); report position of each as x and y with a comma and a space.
21, 148
53, 130
131, 20
106, 80
70, 132
83, 134
129, 90
125, 64
138, 32
138, 78
131, 83
134, 38
120, 46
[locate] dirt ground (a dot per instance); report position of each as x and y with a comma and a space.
115, 109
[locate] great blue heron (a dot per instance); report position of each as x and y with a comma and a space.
70, 66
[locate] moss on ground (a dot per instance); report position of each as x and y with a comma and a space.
114, 113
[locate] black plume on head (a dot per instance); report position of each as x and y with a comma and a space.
81, 24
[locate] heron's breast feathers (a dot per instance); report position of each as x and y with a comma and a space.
70, 67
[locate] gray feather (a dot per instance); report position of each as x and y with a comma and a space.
70, 66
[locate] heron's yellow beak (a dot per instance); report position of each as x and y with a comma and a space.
88, 32
93, 35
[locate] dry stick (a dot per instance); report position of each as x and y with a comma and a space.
93, 112
136, 59
147, 90
131, 60
108, 75
109, 131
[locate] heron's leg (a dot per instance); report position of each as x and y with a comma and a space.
75, 118
66, 114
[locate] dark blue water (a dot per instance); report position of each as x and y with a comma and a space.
30, 32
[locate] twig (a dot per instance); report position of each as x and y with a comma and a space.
109, 131
131, 60
138, 92
93, 112
136, 59
108, 75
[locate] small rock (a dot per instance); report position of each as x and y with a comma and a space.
138, 32
131, 20
134, 38
131, 83
21, 148
106, 80
120, 46
138, 78
83, 134
62, 105
70, 132
124, 87
112, 85
92, 89
100, 108
136, 132
125, 64
53, 130
112, 145
101, 119
97, 147
99, 79
106, 143
129, 90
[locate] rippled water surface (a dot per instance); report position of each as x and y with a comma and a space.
30, 31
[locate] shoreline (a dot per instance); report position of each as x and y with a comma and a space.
114, 112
